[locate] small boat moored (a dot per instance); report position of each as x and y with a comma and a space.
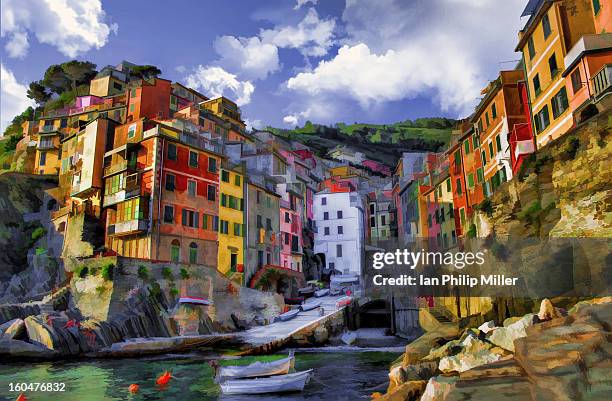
289, 315
257, 369
321, 293
194, 300
344, 301
310, 305
264, 385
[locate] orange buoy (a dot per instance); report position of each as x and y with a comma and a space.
21, 397
163, 379
133, 388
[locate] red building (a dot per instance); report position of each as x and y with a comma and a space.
521, 138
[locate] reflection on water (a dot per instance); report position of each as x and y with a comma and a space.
338, 377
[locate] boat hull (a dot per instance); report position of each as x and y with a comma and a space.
274, 384
257, 369
310, 306
289, 315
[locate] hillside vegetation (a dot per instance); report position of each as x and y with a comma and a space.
422, 134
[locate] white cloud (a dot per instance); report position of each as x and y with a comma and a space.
291, 119
396, 50
13, 100
180, 69
72, 26
312, 36
249, 55
253, 124
301, 3
215, 81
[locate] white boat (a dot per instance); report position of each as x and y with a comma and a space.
289, 315
310, 305
344, 301
321, 293
263, 385
194, 300
257, 369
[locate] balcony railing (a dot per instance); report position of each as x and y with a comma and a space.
115, 168
127, 227
131, 190
602, 81
46, 144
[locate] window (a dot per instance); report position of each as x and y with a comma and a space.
458, 158
237, 180
259, 221
596, 6
132, 108
480, 128
287, 218
372, 221
487, 118
63, 123
225, 176
480, 175
269, 224
211, 193
133, 93
494, 111
171, 151
42, 159
224, 200
498, 143
466, 147
325, 215
462, 216
193, 253
132, 130
191, 187
170, 182
326, 230
340, 230
559, 103
324, 200
383, 220
339, 214
287, 238
190, 218
215, 223
542, 119
576, 80
237, 229
483, 157
471, 180
193, 159
552, 65
491, 154
531, 47
168, 214
258, 197
448, 185
338, 251
332, 265
175, 250
224, 227
546, 26
475, 141
212, 165
536, 84
206, 218
459, 189
117, 86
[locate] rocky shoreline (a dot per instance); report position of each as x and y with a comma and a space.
549, 355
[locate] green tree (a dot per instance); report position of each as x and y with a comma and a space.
79, 72
38, 92
56, 79
146, 71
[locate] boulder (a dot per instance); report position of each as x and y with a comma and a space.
417, 372
504, 336
421, 347
438, 388
13, 330
548, 311
474, 353
407, 391
321, 335
486, 327
17, 349
53, 335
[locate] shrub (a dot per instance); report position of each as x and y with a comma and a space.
531, 213
38, 233
486, 206
184, 273
108, 271
472, 231
143, 272
41, 251
155, 290
82, 271
174, 292
167, 273
100, 289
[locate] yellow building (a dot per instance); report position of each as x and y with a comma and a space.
108, 82
48, 146
232, 230
225, 109
554, 26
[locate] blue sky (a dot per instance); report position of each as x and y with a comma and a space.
285, 61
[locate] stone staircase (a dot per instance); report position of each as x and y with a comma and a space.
442, 314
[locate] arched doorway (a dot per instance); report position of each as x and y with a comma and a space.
375, 314
175, 250
193, 253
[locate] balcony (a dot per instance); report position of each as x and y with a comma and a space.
115, 168
46, 143
130, 191
295, 188
586, 44
602, 81
128, 227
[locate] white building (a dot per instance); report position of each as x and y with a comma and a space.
339, 219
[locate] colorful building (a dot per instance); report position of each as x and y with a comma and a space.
521, 138
553, 28
232, 220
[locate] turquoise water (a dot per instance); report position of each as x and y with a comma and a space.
338, 377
